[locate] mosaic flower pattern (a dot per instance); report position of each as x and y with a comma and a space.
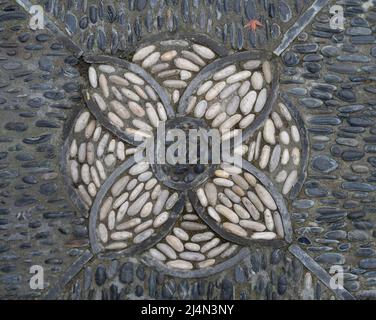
206, 225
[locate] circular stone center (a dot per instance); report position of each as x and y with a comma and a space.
192, 158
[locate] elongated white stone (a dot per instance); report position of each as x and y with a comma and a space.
290, 182
243, 90
115, 120
136, 109
261, 100
85, 195
202, 237
246, 121
175, 243
284, 138
204, 52
151, 60
82, 122
278, 224
143, 226
129, 224
146, 210
202, 197
85, 173
74, 171
100, 102
281, 176
257, 81
277, 120
92, 189
143, 53
285, 112
101, 171
106, 68
268, 218
229, 90
185, 75
227, 213
212, 213
224, 73
175, 84
161, 112
247, 103
252, 64
266, 68
150, 184
104, 85
118, 80
105, 208
143, 236
119, 186
230, 123
275, 158
295, 134
269, 132
180, 264
251, 225
169, 55
256, 201
204, 88
167, 250
121, 235
130, 94
192, 256
255, 214
235, 229
211, 193
93, 78
95, 177
131, 77
223, 182
102, 233
181, 234
210, 245
265, 156
157, 254
193, 57
265, 197
295, 155
218, 250
232, 195
200, 109
240, 76
138, 204
213, 111
185, 64
215, 91
139, 168
136, 191
161, 219
241, 212
219, 119
233, 105
159, 204
263, 236
82, 152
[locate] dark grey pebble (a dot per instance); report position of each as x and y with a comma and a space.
100, 275
126, 273
16, 126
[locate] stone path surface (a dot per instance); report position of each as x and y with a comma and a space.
74, 96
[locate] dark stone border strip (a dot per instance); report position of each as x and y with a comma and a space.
137, 70
135, 248
60, 35
304, 143
198, 38
303, 21
71, 272
239, 240
318, 271
185, 274
209, 70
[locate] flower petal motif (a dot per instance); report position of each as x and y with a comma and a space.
133, 209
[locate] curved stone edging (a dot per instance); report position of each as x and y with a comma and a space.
165, 100
218, 64
137, 248
185, 274
304, 143
243, 241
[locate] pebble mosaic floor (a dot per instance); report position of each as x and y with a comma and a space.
76, 95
